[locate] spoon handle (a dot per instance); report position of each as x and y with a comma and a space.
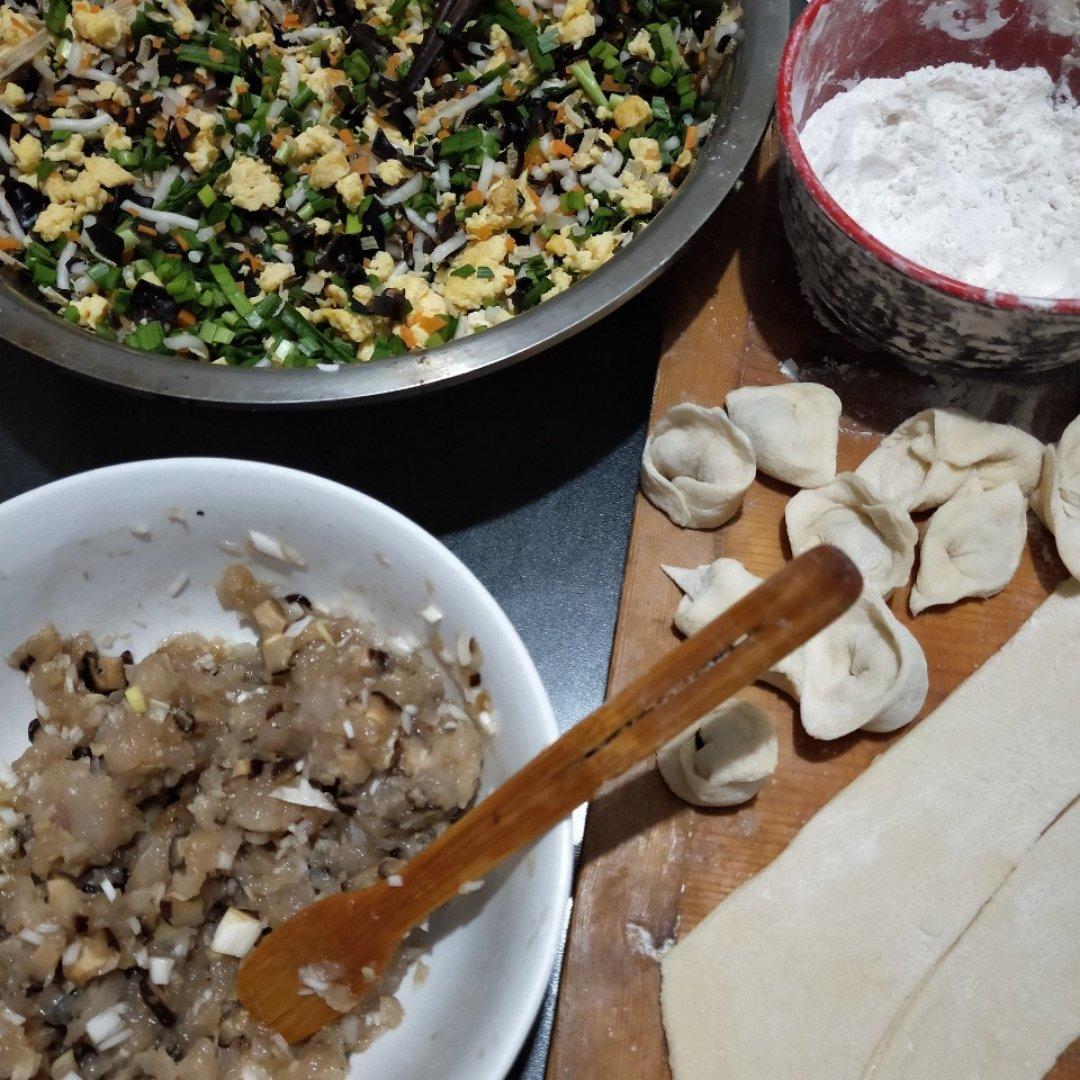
732, 651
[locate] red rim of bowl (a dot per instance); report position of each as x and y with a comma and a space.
790, 137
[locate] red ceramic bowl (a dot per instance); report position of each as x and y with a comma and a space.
858, 285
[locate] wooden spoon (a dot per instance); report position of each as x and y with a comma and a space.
361, 931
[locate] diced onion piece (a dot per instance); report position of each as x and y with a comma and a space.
236, 934
303, 794
106, 1025
161, 969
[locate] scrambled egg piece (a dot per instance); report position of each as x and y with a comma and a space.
351, 189
106, 27
14, 96
55, 220
114, 137
634, 196
577, 23
646, 151
507, 208
498, 38
324, 79
204, 151
27, 153
380, 265
71, 200
91, 309
320, 225
108, 91
560, 281
13, 28
392, 172
329, 169
590, 256
641, 46
631, 112
355, 327
476, 291
313, 142
424, 301
275, 275
252, 185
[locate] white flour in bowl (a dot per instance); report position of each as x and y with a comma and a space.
972, 172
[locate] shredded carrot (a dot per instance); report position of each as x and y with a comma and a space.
691, 138
277, 138
485, 232
71, 234
475, 197
523, 10
181, 128
430, 324
553, 106
9, 243
615, 133
444, 133
186, 318
346, 136
559, 148
673, 172
291, 21
181, 242
147, 230
43, 122
393, 63
533, 155
408, 337
510, 245
61, 97
608, 83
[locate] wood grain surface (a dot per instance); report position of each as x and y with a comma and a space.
652, 867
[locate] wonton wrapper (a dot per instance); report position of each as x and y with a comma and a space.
724, 759
866, 670
794, 429
926, 460
697, 466
1057, 501
972, 545
879, 536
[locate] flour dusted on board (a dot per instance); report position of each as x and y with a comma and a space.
969, 171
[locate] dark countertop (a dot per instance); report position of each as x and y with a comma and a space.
528, 475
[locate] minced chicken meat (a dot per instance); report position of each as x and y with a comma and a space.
169, 812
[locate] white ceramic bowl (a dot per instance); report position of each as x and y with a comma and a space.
68, 554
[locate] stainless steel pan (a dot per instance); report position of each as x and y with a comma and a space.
27, 324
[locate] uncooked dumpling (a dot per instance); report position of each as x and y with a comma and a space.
926, 459
879, 536
1057, 501
713, 588
865, 671
724, 759
972, 545
697, 466
794, 429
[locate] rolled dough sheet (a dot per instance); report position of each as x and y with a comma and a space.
800, 972
1005, 1000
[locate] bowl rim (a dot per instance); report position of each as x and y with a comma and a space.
31, 326
792, 143
154, 471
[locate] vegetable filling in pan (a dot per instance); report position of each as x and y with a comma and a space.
255, 184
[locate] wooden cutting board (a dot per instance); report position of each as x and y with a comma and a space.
652, 867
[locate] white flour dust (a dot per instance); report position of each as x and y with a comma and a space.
969, 171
